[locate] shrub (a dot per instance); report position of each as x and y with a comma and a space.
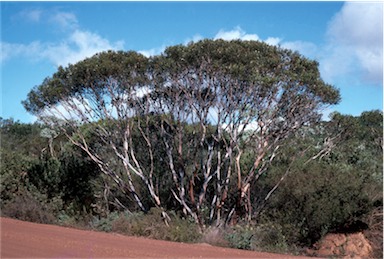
44, 189
104, 223
13, 174
26, 207
124, 223
270, 238
264, 237
149, 225
183, 230
240, 237
80, 219
318, 199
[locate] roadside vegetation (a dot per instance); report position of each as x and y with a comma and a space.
342, 192
216, 142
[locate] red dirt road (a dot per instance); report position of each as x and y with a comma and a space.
31, 240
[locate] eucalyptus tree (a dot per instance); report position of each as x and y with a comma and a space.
214, 100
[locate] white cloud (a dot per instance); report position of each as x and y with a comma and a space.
31, 15
357, 24
55, 17
12, 50
159, 50
274, 41
65, 19
355, 42
235, 34
152, 52
305, 48
8, 50
77, 46
195, 38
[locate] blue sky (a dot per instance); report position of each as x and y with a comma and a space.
346, 39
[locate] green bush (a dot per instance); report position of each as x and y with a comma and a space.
130, 224
13, 173
270, 238
104, 223
240, 237
80, 219
40, 188
264, 237
183, 230
319, 199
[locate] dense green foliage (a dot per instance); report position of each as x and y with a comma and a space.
334, 193
35, 181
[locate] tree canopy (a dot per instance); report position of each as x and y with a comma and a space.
249, 64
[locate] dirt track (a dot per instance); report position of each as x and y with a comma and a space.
31, 240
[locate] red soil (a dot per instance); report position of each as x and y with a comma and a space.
31, 240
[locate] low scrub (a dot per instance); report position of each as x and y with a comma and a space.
266, 237
104, 223
215, 236
240, 237
269, 237
149, 225
27, 208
